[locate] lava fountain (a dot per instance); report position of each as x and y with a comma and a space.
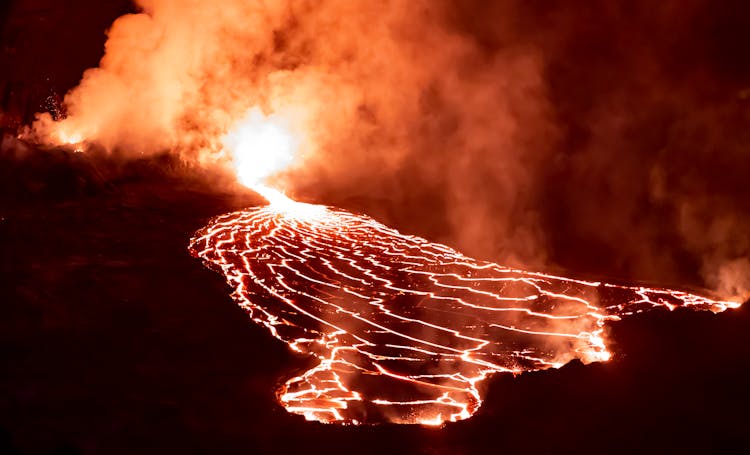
404, 329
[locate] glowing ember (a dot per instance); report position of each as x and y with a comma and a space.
404, 329
73, 140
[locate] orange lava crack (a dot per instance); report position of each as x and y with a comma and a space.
405, 329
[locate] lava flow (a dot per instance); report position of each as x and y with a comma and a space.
404, 329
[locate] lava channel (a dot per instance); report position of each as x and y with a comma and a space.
405, 329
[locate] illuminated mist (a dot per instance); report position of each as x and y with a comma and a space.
449, 111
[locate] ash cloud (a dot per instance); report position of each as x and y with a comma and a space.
603, 138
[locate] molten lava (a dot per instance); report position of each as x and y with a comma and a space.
404, 329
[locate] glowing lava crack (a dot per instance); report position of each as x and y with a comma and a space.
404, 329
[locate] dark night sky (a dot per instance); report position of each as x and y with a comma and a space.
114, 340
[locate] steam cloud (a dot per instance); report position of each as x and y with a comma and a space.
498, 128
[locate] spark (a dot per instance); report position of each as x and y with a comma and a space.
404, 329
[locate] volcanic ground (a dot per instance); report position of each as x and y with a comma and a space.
115, 340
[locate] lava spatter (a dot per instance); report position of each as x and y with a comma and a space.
405, 329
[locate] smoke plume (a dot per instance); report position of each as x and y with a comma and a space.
527, 133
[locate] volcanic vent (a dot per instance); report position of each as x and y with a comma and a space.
404, 329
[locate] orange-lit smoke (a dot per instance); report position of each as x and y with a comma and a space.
463, 131
186, 76
367, 87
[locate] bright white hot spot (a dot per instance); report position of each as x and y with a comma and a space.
261, 145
